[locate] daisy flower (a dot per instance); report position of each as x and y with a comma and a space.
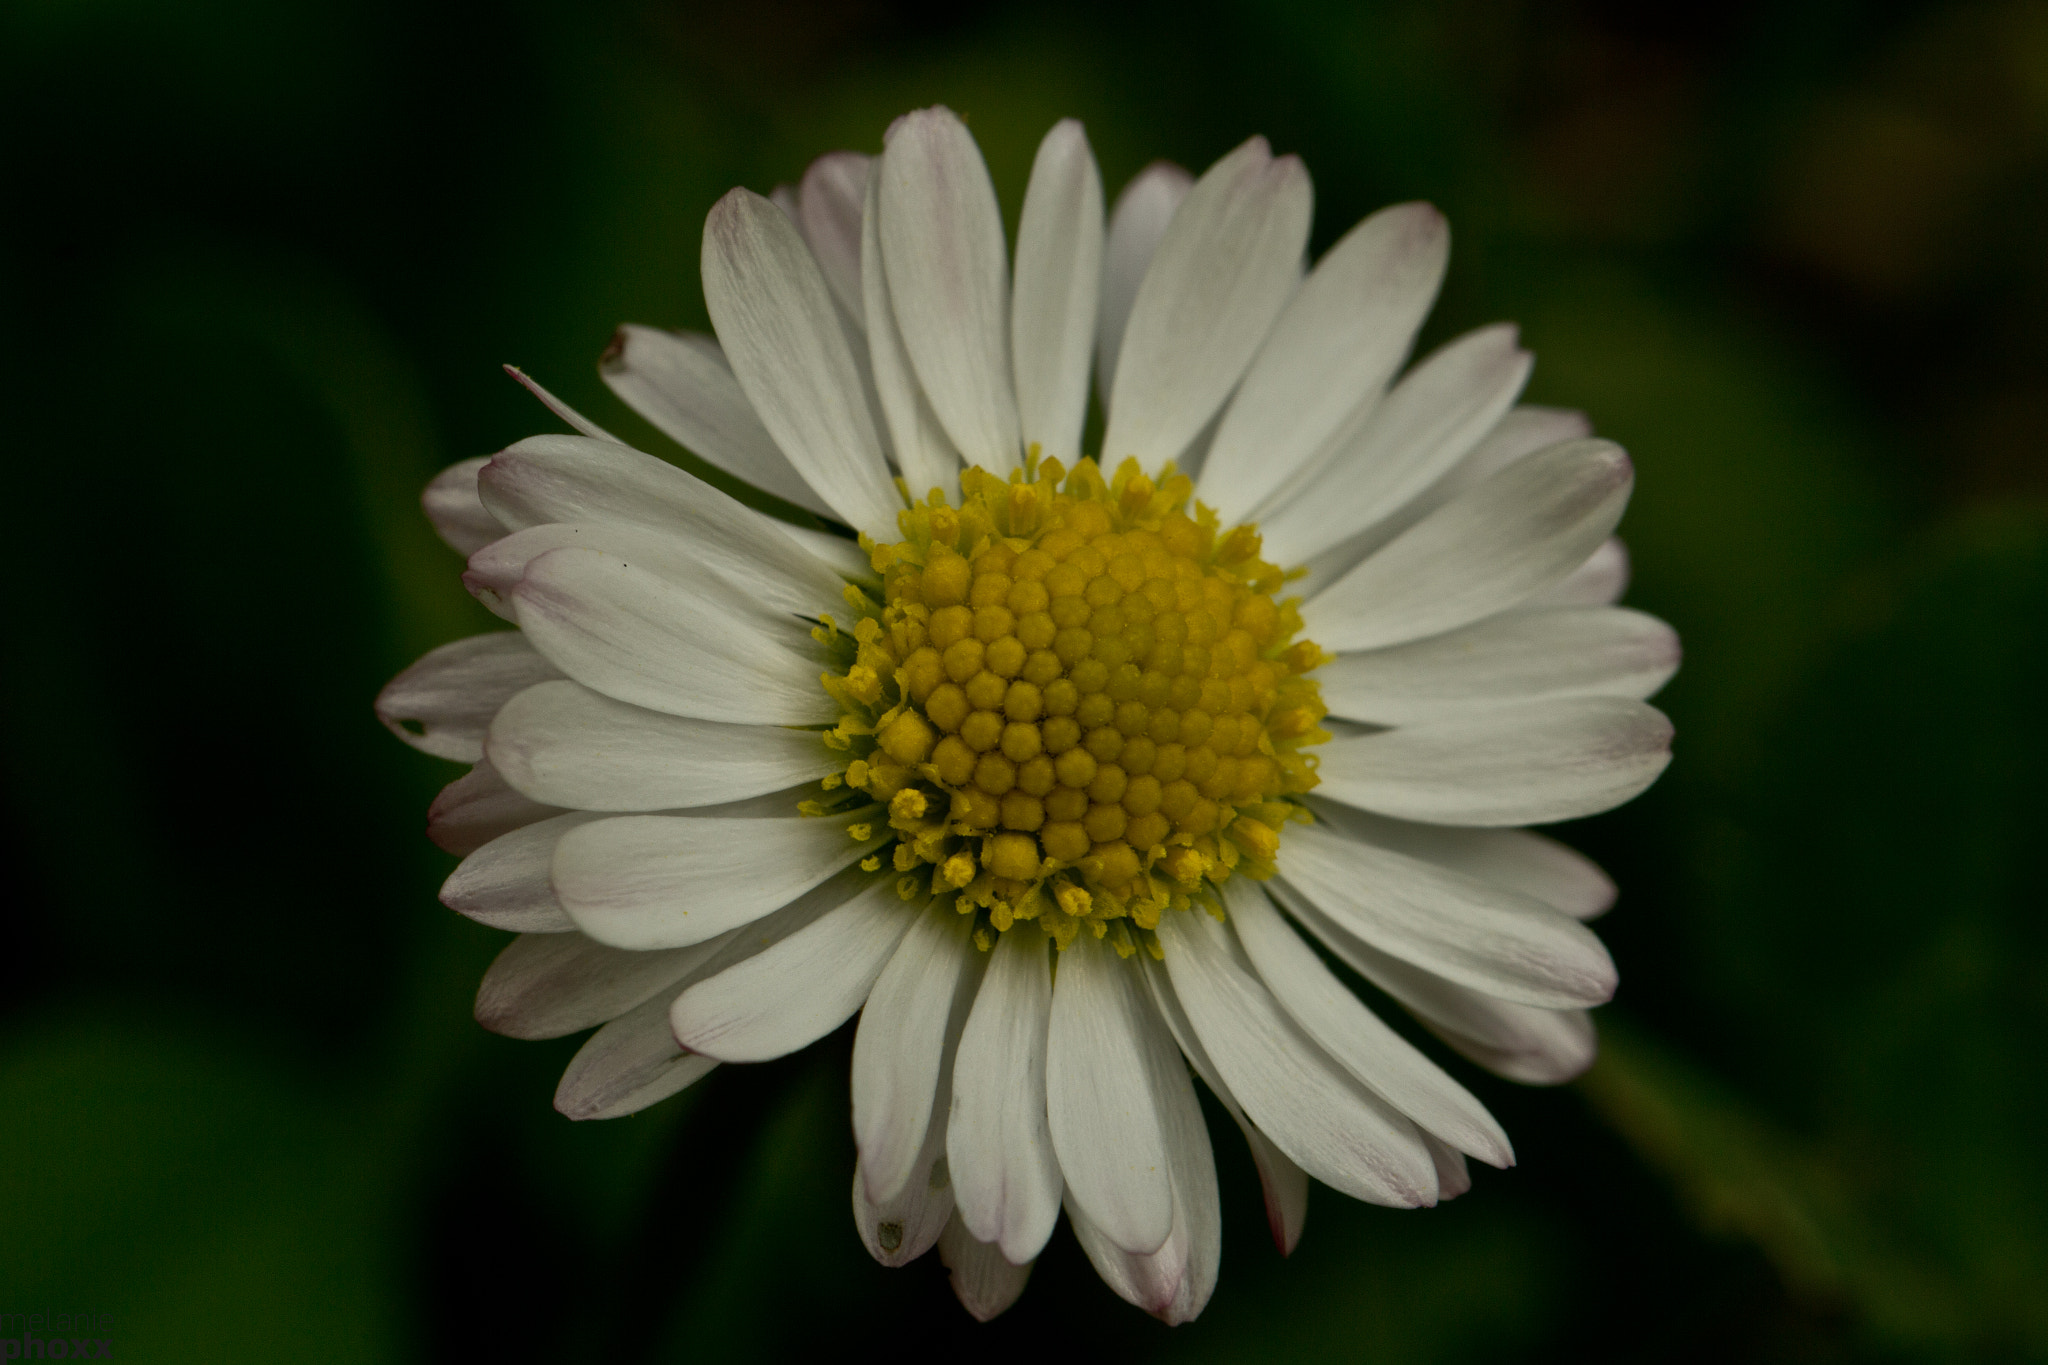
1069, 773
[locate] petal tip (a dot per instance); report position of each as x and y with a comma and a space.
728, 216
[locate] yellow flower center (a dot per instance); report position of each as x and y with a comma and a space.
1080, 704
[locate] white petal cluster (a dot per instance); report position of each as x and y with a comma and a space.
639, 741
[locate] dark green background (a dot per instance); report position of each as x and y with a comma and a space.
263, 258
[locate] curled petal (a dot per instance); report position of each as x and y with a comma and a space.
443, 704
478, 807
458, 514
984, 1280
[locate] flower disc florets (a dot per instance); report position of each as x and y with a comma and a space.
1080, 704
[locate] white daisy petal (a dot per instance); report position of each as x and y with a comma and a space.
663, 881
777, 322
828, 210
1599, 582
820, 567
1150, 1282
496, 570
903, 1228
845, 557
942, 246
552, 985
1197, 453
984, 1281
1335, 347
1227, 265
566, 745
795, 993
628, 1064
761, 935
1495, 545
639, 638
1405, 443
1006, 1181
1463, 929
1059, 280
905, 1042
1526, 764
923, 449
458, 514
1523, 431
562, 410
1334, 1128
1517, 859
1174, 1282
565, 479
1452, 1176
1136, 223
478, 807
1520, 656
1105, 1122
635, 1061
1521, 1042
1284, 1184
1355, 1038
738, 946
681, 383
505, 884
443, 704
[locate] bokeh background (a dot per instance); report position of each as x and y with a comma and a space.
262, 260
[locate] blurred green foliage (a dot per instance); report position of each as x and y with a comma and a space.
261, 262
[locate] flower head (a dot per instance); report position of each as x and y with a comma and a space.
1043, 762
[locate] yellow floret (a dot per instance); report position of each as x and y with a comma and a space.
1075, 694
